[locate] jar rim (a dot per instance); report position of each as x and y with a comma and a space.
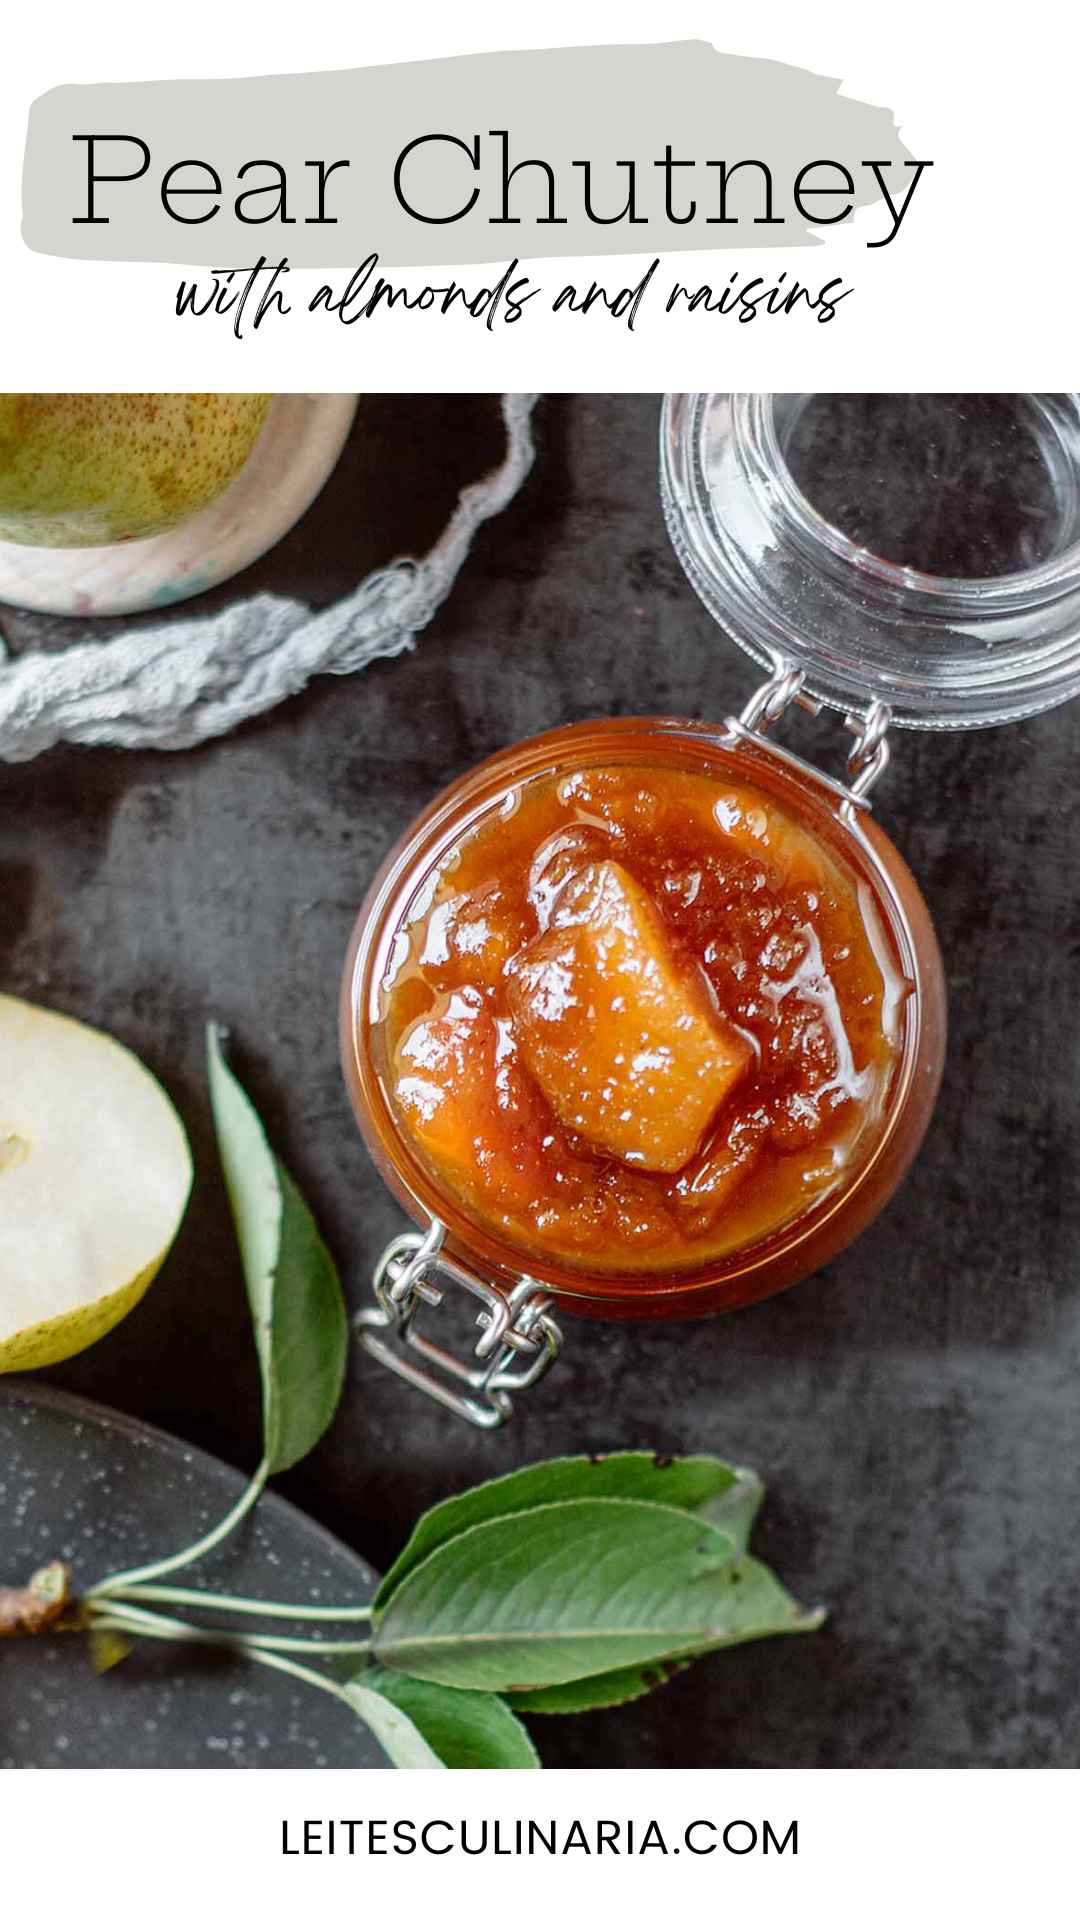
411, 863
794, 590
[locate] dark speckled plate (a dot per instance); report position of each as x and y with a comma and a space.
104, 1492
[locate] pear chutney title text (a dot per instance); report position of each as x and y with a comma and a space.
442, 179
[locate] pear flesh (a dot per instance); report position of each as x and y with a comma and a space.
626, 1043
91, 469
95, 1173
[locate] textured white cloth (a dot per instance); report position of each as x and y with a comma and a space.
174, 685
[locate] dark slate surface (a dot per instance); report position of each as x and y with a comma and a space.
915, 1409
103, 1492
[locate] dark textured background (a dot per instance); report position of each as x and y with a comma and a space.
916, 1408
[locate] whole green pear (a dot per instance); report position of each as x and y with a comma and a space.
89, 469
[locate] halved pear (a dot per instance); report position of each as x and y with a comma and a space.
89, 469
95, 1173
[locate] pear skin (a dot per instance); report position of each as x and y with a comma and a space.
92, 469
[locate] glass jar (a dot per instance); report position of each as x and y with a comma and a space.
790, 587
836, 625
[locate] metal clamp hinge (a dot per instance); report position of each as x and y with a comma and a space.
519, 1339
867, 759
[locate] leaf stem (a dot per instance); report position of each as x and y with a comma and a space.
299, 1672
139, 1576
164, 1626
236, 1603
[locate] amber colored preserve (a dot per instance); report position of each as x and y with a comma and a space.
638, 1009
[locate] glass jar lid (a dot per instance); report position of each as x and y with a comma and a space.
834, 582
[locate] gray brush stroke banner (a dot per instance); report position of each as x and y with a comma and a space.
607, 105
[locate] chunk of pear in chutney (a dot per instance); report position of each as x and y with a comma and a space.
621, 1036
92, 469
459, 1083
469, 938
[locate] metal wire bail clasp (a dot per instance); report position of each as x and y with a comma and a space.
773, 698
869, 756
867, 759
515, 1327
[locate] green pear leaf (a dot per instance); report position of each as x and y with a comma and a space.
563, 1592
691, 1482
461, 1729
301, 1331
735, 1507
398, 1736
600, 1690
